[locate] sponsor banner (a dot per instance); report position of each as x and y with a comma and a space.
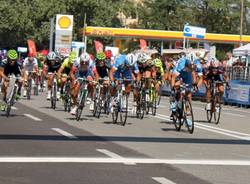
239, 92
32, 47
22, 49
194, 32
98, 46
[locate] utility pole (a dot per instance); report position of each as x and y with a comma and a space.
241, 20
85, 37
52, 25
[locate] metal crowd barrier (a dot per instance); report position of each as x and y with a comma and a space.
240, 73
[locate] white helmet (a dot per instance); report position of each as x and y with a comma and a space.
131, 58
51, 56
85, 57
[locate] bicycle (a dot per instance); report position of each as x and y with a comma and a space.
82, 97
53, 98
12, 97
120, 105
141, 101
67, 96
151, 99
101, 100
29, 87
183, 113
215, 110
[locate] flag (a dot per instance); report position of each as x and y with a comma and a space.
32, 47
143, 44
98, 46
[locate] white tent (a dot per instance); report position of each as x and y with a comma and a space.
242, 51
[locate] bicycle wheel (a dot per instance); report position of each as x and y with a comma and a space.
29, 88
99, 106
10, 102
80, 105
115, 114
217, 111
107, 103
54, 98
210, 112
140, 110
123, 109
188, 117
177, 119
154, 101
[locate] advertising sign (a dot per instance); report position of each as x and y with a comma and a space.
194, 32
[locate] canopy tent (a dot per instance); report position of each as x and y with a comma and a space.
242, 51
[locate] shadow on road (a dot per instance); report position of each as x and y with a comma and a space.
125, 139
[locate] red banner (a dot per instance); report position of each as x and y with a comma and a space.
143, 44
98, 46
32, 47
178, 44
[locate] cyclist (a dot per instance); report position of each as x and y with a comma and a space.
214, 70
30, 64
53, 63
82, 68
157, 74
102, 67
124, 67
41, 69
65, 69
10, 66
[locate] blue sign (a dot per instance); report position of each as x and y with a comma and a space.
194, 32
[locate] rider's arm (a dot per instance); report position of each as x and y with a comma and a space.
2, 73
111, 73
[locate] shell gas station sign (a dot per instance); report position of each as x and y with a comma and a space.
64, 28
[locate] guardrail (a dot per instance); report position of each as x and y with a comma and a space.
240, 73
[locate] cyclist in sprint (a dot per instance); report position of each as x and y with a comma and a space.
214, 70
41, 69
182, 73
65, 69
82, 68
10, 66
124, 67
102, 67
53, 64
197, 73
30, 64
157, 74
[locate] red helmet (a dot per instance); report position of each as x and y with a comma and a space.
108, 54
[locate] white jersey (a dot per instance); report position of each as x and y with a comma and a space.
29, 66
77, 63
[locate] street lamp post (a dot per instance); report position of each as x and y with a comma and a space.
241, 20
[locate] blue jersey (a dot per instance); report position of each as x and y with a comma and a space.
123, 69
181, 70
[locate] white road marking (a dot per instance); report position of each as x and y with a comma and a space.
14, 108
232, 114
213, 129
32, 117
64, 133
114, 155
163, 180
122, 160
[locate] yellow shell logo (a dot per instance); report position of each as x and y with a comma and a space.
64, 22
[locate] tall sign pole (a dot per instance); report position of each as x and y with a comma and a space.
52, 25
241, 20
85, 37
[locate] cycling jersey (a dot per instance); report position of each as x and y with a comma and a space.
29, 66
181, 70
11, 69
83, 71
123, 69
66, 66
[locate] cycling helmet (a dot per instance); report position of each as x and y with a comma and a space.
100, 56
85, 57
12, 54
108, 54
131, 59
157, 63
72, 57
51, 56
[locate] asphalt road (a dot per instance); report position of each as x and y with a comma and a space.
41, 145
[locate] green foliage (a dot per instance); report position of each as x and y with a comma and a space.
30, 19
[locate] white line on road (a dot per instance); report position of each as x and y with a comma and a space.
163, 180
122, 160
32, 117
64, 133
114, 155
213, 129
14, 108
232, 114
